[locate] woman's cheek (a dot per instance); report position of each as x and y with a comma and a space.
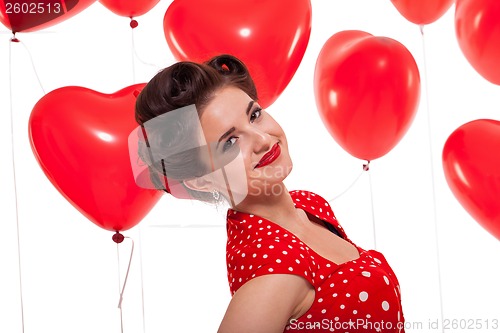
233, 178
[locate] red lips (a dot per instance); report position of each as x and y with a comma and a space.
270, 156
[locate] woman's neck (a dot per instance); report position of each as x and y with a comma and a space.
276, 206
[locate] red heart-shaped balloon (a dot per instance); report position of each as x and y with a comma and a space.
32, 15
80, 139
477, 26
422, 11
270, 37
367, 91
129, 8
471, 162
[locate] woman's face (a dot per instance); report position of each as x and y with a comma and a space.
235, 126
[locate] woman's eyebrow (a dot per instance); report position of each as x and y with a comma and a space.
225, 135
232, 129
249, 107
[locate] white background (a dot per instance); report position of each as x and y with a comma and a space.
177, 283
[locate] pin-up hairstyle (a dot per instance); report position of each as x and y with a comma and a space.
178, 86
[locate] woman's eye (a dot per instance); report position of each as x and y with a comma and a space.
255, 114
229, 143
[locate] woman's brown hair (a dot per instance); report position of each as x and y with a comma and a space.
183, 84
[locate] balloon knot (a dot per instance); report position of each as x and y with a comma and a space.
421, 27
366, 166
118, 238
133, 23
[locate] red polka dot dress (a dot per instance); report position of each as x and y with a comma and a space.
360, 295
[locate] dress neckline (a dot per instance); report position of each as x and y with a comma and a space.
240, 216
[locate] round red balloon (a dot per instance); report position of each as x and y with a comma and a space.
367, 92
80, 139
422, 12
32, 15
270, 37
129, 8
477, 26
471, 165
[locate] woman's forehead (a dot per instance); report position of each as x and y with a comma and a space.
224, 110
228, 99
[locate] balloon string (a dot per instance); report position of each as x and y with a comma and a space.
133, 58
142, 283
135, 55
32, 65
349, 187
119, 284
122, 290
189, 226
366, 167
15, 185
434, 205
373, 209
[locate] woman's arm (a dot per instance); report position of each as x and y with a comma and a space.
265, 304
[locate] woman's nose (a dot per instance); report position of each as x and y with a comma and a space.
262, 141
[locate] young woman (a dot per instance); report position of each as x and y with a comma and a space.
290, 265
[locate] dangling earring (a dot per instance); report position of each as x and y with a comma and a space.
215, 194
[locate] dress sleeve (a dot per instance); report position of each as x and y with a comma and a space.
281, 255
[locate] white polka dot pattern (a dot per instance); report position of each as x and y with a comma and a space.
362, 290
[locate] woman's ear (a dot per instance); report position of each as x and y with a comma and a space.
199, 184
